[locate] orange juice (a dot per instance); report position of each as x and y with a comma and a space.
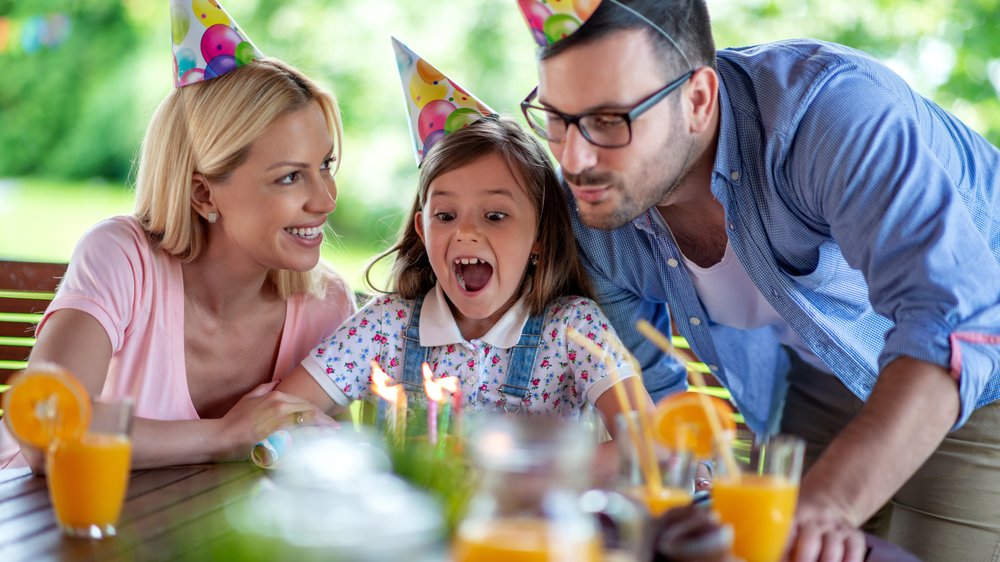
760, 509
668, 498
87, 478
524, 540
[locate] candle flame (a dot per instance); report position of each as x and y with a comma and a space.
432, 388
450, 384
381, 386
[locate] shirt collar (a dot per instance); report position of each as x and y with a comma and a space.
727, 153
438, 326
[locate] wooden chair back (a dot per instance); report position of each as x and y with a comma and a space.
26, 288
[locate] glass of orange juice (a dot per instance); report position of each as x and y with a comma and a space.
759, 501
531, 504
87, 474
639, 451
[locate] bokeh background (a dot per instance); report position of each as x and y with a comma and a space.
79, 80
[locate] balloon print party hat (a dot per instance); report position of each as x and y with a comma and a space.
554, 20
435, 104
207, 43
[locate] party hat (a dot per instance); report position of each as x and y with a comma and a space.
207, 42
435, 104
554, 20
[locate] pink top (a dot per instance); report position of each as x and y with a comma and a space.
136, 292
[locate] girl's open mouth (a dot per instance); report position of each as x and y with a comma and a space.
472, 273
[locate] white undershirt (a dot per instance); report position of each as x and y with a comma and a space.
730, 298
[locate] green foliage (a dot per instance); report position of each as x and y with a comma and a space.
442, 472
64, 112
78, 110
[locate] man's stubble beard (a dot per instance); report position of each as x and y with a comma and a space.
633, 201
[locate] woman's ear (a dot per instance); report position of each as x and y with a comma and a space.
201, 196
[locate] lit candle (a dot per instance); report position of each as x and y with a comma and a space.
400, 415
450, 385
457, 414
434, 395
395, 396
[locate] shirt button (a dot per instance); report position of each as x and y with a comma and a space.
732, 225
735, 175
695, 321
713, 368
672, 262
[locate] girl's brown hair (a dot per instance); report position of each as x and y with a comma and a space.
558, 271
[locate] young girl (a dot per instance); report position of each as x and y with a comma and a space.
487, 283
213, 288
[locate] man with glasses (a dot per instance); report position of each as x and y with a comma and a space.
827, 240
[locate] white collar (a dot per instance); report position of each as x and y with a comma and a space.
438, 326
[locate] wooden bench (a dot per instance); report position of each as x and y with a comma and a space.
26, 288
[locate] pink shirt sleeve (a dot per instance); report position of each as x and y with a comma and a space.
106, 277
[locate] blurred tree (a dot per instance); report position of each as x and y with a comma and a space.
64, 114
78, 109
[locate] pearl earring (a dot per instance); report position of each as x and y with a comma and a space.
212, 217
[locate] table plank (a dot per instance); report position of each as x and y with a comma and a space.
159, 503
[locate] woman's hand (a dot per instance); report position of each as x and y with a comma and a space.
263, 411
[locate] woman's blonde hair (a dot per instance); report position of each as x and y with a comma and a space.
209, 127
558, 271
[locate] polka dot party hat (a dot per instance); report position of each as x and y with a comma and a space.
435, 104
553, 20
206, 41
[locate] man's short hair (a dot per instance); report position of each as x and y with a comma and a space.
686, 22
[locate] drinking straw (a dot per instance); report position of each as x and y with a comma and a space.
647, 460
639, 390
714, 424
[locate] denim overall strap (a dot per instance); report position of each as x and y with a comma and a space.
414, 355
522, 361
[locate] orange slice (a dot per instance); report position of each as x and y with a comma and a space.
44, 403
681, 422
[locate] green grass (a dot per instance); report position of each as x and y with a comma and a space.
41, 220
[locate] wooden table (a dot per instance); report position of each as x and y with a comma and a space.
172, 513
169, 514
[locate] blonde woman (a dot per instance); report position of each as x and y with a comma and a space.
212, 291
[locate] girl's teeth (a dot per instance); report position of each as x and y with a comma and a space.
467, 261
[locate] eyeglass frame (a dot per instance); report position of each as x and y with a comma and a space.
642, 106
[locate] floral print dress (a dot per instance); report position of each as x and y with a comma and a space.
564, 377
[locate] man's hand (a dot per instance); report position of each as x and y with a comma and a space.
909, 412
822, 533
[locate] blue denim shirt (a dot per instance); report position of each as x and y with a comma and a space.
866, 215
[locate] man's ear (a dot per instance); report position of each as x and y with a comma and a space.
702, 94
201, 196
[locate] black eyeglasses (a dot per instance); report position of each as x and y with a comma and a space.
600, 128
